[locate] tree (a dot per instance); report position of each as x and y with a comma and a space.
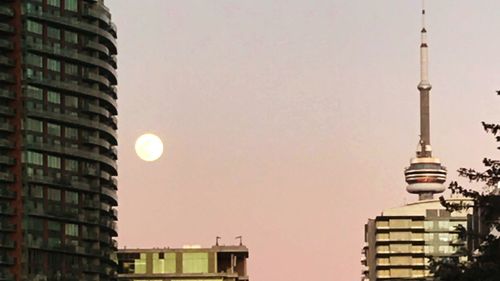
483, 263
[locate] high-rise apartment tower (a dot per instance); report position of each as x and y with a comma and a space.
57, 140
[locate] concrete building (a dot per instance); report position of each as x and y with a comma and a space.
58, 137
218, 263
401, 241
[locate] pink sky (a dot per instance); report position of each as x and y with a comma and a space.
290, 122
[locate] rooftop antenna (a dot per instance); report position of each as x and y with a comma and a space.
240, 238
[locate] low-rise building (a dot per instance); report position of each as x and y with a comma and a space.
218, 263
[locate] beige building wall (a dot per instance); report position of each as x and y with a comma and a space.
399, 242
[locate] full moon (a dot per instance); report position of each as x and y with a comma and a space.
149, 147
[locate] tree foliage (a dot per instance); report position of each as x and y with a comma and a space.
483, 263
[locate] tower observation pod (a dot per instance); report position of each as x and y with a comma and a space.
426, 175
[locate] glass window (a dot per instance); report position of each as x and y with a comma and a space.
429, 249
54, 241
428, 225
429, 236
167, 264
31, 73
53, 97
53, 194
71, 229
31, 7
71, 37
71, 165
34, 125
35, 224
444, 225
37, 191
71, 133
444, 237
35, 27
53, 65
195, 262
71, 69
54, 3
71, 101
71, 197
140, 264
54, 226
53, 162
54, 33
71, 5
445, 249
34, 158
34, 92
53, 129
34, 60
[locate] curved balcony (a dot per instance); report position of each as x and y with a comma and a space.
96, 77
110, 194
6, 77
90, 235
6, 210
72, 216
97, 13
6, 111
6, 128
7, 243
96, 141
7, 94
7, 160
85, 123
95, 46
74, 152
5, 143
6, 45
75, 24
7, 28
63, 182
7, 227
75, 56
91, 204
6, 260
6, 12
6, 61
66, 249
6, 177
91, 108
110, 225
78, 89
6, 193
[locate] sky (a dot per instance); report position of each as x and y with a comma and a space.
290, 122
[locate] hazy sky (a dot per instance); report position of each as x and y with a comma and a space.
290, 122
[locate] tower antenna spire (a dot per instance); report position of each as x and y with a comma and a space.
424, 87
426, 175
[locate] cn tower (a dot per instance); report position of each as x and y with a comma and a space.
426, 175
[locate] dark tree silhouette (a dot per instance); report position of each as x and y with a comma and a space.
483, 262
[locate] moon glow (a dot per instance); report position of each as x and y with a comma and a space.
149, 147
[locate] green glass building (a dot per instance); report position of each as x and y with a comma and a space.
58, 137
218, 263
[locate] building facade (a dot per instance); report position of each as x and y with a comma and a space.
218, 263
58, 137
401, 241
